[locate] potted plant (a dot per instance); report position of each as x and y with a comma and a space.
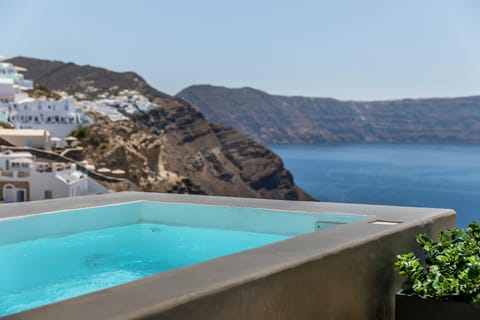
446, 283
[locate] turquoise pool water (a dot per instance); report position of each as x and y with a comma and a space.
59, 255
42, 271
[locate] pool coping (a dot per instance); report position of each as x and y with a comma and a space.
164, 291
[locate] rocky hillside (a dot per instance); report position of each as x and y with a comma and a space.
72, 78
283, 119
171, 148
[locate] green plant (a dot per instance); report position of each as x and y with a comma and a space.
451, 269
42, 91
6, 125
80, 133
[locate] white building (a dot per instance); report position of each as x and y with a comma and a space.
9, 71
24, 179
7, 90
59, 117
115, 107
33, 138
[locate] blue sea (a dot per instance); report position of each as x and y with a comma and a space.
421, 175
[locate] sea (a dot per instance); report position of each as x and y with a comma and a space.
419, 175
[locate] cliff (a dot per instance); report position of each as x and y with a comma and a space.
283, 119
172, 148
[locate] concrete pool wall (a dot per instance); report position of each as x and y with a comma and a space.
344, 272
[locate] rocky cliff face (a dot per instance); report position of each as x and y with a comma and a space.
172, 148
282, 119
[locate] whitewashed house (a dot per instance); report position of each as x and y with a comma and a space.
7, 91
33, 138
9, 71
22, 178
59, 117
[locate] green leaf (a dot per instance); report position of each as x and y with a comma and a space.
450, 269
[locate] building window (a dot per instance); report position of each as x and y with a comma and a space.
48, 194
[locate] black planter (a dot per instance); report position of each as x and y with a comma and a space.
408, 307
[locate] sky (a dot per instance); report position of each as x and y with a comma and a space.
346, 49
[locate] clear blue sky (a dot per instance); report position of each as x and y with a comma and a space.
356, 49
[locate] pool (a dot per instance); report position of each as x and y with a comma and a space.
55, 256
307, 275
